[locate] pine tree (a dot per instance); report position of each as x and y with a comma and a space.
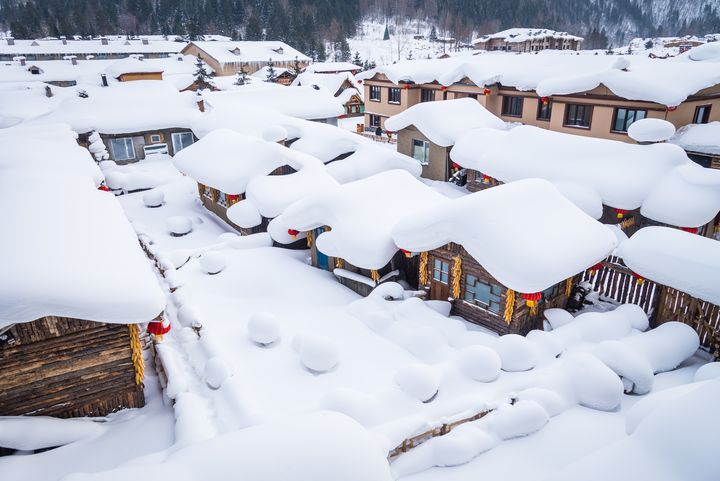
386, 35
357, 60
296, 68
342, 52
241, 75
433, 34
253, 29
649, 44
271, 74
202, 79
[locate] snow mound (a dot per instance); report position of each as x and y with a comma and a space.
178, 225
516, 353
419, 381
634, 370
709, 371
216, 372
651, 130
596, 386
551, 402
263, 328
187, 315
318, 354
666, 346
39, 432
557, 317
360, 406
212, 262
479, 363
548, 344
153, 198
519, 419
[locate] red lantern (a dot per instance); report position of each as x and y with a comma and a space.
443, 88
621, 213
359, 81
672, 108
485, 178
531, 299
233, 198
691, 230
639, 280
487, 92
594, 269
293, 233
104, 188
158, 328
407, 253
455, 166
545, 100
406, 86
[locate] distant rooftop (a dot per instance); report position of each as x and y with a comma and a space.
523, 34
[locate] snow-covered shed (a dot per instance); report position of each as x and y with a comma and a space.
74, 284
342, 85
134, 68
349, 228
701, 142
282, 76
504, 255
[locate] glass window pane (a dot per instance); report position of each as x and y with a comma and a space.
482, 292
620, 120
640, 114
444, 278
496, 289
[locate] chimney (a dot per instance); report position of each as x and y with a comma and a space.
200, 102
48, 91
140, 57
103, 40
145, 41
10, 41
64, 40
180, 58
72, 58
103, 77
21, 60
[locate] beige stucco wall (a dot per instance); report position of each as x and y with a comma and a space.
234, 67
437, 166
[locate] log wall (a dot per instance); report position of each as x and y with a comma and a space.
67, 368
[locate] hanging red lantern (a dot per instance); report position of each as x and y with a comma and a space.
691, 230
233, 199
672, 108
406, 86
531, 299
594, 269
639, 280
158, 328
621, 213
407, 253
104, 188
359, 81
293, 233
455, 166
443, 88
486, 179
487, 92
545, 100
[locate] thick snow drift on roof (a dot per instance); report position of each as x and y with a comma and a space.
333, 82
332, 67
70, 252
444, 122
518, 34
564, 240
651, 130
684, 261
249, 51
702, 138
301, 102
127, 107
623, 175
262, 74
95, 46
361, 214
324, 446
131, 65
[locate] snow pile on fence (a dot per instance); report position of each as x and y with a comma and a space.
651, 130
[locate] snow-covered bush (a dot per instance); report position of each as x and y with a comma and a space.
318, 354
516, 353
178, 225
479, 363
216, 372
97, 147
212, 262
419, 381
114, 181
153, 198
263, 328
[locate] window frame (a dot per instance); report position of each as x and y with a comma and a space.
706, 114
616, 110
444, 274
494, 294
371, 124
508, 101
175, 140
375, 89
125, 140
425, 149
155, 138
428, 92
589, 108
391, 93
540, 109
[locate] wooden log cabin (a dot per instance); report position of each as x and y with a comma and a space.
70, 309
491, 270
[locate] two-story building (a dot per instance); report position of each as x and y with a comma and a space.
527, 40
228, 58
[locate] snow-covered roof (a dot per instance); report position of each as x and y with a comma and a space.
361, 214
89, 47
126, 107
332, 67
557, 73
301, 102
263, 72
444, 122
526, 234
333, 82
660, 178
68, 249
251, 51
651, 130
132, 65
701, 138
516, 35
681, 260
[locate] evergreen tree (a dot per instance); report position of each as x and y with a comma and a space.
296, 68
357, 60
253, 29
342, 50
271, 74
649, 44
241, 75
321, 52
202, 78
410, 55
386, 35
433, 34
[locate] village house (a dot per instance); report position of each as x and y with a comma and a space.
701, 142
527, 40
134, 68
282, 76
551, 90
70, 310
98, 49
501, 277
343, 86
228, 58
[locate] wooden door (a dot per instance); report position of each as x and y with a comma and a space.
440, 279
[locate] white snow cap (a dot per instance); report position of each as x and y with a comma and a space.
444, 122
361, 214
565, 240
701, 138
683, 261
651, 130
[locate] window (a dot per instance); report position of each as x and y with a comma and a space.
544, 109
222, 199
702, 114
155, 138
123, 148
394, 95
180, 140
512, 106
374, 120
375, 93
421, 151
427, 95
207, 192
441, 271
578, 115
484, 294
623, 118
